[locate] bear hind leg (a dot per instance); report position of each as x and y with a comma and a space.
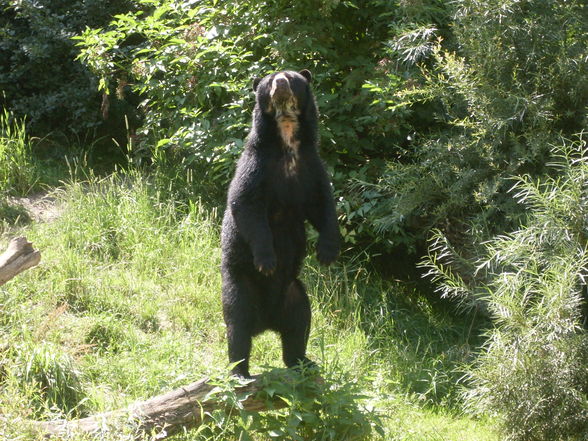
239, 314
294, 325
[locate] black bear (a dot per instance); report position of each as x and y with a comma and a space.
280, 182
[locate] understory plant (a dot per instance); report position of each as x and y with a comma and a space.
533, 369
17, 173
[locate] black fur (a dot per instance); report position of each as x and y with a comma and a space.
263, 234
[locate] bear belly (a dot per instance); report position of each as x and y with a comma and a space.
289, 240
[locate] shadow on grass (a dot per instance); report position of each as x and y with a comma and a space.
420, 342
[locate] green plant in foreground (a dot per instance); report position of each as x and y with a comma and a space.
533, 370
317, 408
52, 377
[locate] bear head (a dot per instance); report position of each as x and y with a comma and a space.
283, 94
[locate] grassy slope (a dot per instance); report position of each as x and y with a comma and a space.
126, 305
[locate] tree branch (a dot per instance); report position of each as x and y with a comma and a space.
18, 257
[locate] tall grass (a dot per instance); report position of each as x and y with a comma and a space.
17, 173
53, 376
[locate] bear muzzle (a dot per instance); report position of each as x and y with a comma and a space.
280, 92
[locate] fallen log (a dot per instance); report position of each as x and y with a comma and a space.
172, 412
19, 256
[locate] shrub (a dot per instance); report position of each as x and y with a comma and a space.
39, 77
328, 408
507, 81
532, 371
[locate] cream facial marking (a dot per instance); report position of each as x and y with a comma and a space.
288, 127
285, 107
280, 87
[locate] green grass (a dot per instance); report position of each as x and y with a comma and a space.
17, 173
126, 304
29, 166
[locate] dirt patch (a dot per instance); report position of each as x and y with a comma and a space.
42, 207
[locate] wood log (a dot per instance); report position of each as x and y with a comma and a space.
18, 257
172, 412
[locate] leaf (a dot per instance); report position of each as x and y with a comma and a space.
163, 142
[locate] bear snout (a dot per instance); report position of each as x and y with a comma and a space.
280, 90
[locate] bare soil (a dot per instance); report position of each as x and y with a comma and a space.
42, 206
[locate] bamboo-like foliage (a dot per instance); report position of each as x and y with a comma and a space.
532, 370
506, 80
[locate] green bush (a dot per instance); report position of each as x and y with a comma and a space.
507, 81
39, 77
532, 371
326, 408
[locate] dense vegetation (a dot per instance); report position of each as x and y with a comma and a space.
453, 132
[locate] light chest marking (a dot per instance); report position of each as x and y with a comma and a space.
286, 110
288, 127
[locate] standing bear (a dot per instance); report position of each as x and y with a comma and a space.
280, 182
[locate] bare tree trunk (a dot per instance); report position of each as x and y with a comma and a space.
169, 413
18, 257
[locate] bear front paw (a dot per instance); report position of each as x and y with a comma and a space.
265, 264
327, 251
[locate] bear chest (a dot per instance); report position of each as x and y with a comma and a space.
289, 182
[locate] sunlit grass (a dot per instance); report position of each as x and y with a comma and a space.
17, 172
126, 305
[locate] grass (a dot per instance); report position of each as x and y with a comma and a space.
17, 172
29, 166
126, 305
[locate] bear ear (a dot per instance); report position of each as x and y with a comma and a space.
256, 83
306, 74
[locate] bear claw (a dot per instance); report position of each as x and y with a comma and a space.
266, 265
